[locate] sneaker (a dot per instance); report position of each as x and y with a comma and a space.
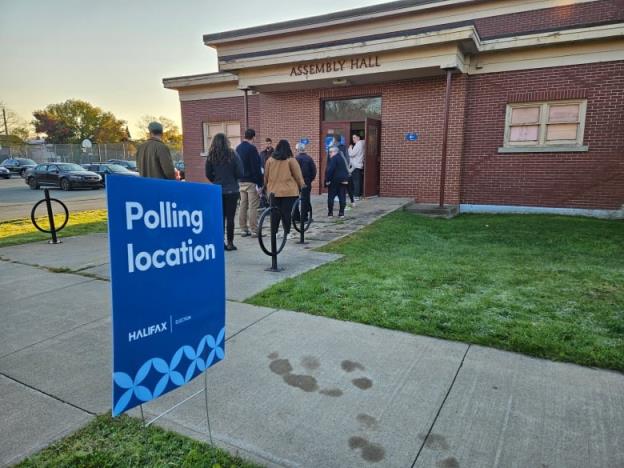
230, 247
254, 235
341, 216
330, 215
246, 233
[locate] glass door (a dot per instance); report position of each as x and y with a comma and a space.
329, 130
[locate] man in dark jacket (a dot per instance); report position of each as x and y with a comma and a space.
267, 151
308, 170
153, 156
337, 179
250, 184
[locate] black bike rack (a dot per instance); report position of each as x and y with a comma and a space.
275, 250
53, 229
303, 226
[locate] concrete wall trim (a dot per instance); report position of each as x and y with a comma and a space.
511, 209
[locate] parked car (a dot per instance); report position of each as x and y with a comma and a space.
179, 165
131, 165
18, 165
5, 173
64, 175
104, 170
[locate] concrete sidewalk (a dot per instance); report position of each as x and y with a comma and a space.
296, 389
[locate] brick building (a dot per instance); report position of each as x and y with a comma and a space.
498, 106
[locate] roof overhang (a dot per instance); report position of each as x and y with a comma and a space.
199, 80
332, 19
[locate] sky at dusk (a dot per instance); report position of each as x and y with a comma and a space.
114, 53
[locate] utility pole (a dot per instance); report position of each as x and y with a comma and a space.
6, 128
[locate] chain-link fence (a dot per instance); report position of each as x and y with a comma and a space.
76, 153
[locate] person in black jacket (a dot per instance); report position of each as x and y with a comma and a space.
308, 169
250, 184
224, 168
337, 179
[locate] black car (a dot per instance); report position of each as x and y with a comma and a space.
104, 170
18, 165
5, 173
64, 175
131, 165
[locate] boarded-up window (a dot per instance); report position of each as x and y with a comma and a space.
231, 130
545, 124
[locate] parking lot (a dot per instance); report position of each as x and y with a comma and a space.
17, 199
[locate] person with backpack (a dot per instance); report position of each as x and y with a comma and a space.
224, 168
337, 180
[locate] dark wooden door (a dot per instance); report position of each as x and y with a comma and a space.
328, 130
372, 157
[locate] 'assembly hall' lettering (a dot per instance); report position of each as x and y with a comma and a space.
335, 66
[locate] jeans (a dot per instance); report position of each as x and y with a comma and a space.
250, 201
350, 189
229, 212
340, 190
305, 204
283, 213
357, 182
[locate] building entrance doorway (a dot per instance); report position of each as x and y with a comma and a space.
370, 132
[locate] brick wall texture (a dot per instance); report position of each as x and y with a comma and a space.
568, 16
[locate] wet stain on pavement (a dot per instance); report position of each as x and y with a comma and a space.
310, 362
350, 366
281, 366
363, 383
332, 392
370, 452
367, 421
450, 462
434, 441
307, 383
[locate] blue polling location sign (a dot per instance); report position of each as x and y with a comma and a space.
411, 136
304, 141
168, 285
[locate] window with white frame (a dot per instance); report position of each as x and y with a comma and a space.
231, 129
545, 126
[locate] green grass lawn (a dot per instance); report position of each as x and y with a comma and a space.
22, 231
123, 442
546, 286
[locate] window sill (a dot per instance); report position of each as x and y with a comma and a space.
544, 149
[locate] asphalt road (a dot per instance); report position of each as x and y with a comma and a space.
17, 199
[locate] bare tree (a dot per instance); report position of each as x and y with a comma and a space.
12, 124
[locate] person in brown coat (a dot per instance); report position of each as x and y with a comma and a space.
153, 156
282, 177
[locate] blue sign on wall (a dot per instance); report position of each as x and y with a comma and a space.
411, 136
304, 141
168, 284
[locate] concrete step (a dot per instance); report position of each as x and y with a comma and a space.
433, 210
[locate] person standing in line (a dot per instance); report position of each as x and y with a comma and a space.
308, 170
250, 184
153, 157
283, 178
267, 151
224, 168
337, 179
343, 151
357, 153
